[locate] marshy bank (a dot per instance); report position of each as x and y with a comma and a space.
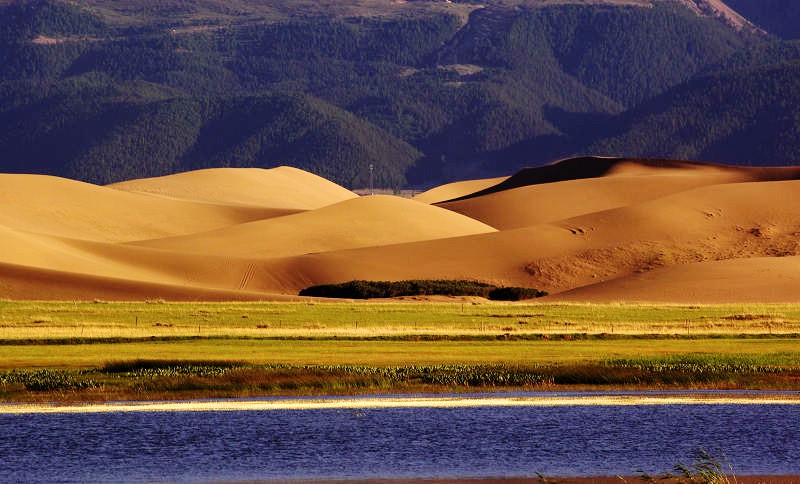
177, 379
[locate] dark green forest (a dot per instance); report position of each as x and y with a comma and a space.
424, 97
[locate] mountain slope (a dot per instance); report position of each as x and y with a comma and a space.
91, 130
424, 91
746, 117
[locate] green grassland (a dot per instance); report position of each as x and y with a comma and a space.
69, 350
94, 320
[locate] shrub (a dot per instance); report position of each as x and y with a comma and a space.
515, 293
48, 380
383, 289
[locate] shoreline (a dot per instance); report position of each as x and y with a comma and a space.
382, 402
750, 479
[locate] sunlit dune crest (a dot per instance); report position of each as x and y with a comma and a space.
460, 189
283, 187
361, 222
60, 207
595, 229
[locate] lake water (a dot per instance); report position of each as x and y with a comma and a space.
394, 442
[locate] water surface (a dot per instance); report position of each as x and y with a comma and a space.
394, 442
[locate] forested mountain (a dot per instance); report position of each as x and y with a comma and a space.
745, 117
424, 91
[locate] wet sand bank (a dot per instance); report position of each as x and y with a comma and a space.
405, 402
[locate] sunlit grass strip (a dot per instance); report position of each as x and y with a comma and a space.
390, 352
80, 320
555, 337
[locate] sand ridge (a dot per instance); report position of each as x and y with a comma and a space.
360, 222
459, 189
282, 187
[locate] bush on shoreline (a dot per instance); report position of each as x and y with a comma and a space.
385, 289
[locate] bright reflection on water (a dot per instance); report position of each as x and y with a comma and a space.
398, 442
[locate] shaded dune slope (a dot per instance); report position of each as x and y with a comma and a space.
361, 222
722, 222
61, 207
599, 166
625, 182
20, 282
457, 190
116, 261
641, 230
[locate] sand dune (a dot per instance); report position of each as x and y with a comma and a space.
732, 221
457, 190
621, 229
537, 204
60, 207
280, 188
600, 166
99, 259
763, 279
27, 283
362, 222
624, 182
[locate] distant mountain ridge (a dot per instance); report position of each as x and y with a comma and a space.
422, 91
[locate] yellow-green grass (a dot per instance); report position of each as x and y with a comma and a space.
60, 350
774, 351
65, 320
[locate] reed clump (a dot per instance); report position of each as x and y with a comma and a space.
704, 469
48, 380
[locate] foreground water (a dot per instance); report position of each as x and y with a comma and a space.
354, 443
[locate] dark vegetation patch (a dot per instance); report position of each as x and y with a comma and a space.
186, 379
388, 289
47, 380
170, 367
747, 317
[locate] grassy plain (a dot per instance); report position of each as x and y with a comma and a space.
63, 350
64, 320
393, 353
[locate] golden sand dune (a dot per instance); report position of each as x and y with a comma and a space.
78, 269
603, 166
619, 230
60, 207
457, 190
763, 279
280, 188
721, 222
623, 183
361, 222
731, 221
99, 259
19, 282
